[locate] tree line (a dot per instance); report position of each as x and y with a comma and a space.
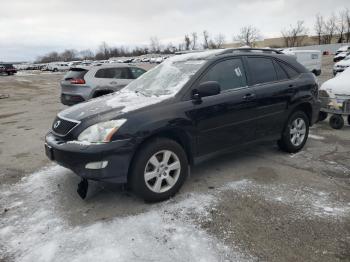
335, 28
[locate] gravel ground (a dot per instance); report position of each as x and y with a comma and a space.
258, 204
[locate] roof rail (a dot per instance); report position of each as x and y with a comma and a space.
263, 50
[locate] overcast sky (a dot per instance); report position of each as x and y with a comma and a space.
29, 28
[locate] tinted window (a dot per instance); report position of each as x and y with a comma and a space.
229, 73
281, 74
136, 72
290, 71
262, 70
119, 73
75, 74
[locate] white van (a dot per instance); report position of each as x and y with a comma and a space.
311, 59
58, 66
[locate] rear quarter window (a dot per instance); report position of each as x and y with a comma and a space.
262, 70
290, 70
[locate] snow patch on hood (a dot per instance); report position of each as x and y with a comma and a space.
130, 101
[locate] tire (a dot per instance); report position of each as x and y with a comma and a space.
55, 70
295, 133
336, 122
149, 159
349, 120
322, 116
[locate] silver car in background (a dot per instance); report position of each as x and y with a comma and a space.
81, 83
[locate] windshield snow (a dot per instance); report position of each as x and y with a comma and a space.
166, 79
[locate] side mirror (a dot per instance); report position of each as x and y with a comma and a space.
209, 88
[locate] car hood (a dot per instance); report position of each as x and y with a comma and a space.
338, 85
119, 103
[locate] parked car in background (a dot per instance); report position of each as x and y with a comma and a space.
311, 59
8, 69
82, 83
58, 66
345, 48
341, 65
189, 106
340, 56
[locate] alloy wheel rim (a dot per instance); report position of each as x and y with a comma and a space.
297, 132
162, 171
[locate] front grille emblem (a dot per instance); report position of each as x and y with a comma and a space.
57, 124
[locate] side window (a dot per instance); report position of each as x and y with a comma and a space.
229, 74
137, 72
290, 71
118, 73
281, 74
262, 70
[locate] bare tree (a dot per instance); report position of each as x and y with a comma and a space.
341, 26
248, 35
194, 40
103, 51
69, 55
187, 42
219, 40
347, 19
154, 45
319, 27
205, 39
295, 35
330, 29
86, 54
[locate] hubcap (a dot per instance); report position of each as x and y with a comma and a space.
162, 171
297, 131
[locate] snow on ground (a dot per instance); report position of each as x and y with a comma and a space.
33, 230
33, 227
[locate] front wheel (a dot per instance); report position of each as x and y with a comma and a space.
158, 170
295, 133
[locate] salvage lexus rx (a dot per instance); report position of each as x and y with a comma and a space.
191, 105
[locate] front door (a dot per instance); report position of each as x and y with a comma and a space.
226, 119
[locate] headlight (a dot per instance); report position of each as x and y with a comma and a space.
101, 132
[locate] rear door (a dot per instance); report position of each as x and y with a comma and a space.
225, 119
273, 90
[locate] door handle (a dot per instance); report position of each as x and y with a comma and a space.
248, 97
114, 82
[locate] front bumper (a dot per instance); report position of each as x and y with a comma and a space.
75, 156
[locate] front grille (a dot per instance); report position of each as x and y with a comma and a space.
62, 126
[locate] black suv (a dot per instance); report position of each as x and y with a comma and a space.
7, 69
191, 105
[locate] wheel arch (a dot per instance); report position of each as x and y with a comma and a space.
179, 136
306, 107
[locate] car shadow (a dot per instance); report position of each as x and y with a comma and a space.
105, 201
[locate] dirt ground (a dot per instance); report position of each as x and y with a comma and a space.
260, 204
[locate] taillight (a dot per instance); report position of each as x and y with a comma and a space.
77, 81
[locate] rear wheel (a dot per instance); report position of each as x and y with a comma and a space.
349, 120
158, 170
295, 133
336, 121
